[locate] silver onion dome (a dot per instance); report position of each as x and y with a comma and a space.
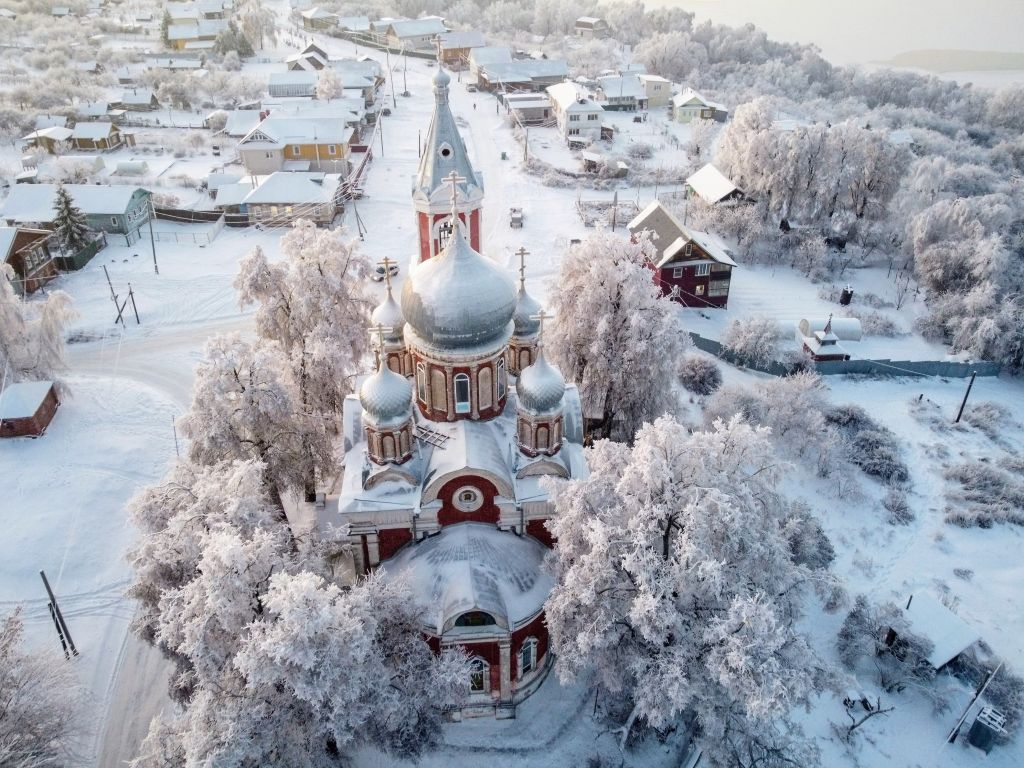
389, 315
386, 398
540, 386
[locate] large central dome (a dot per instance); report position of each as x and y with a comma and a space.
459, 299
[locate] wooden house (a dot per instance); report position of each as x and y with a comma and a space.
138, 100
99, 136
591, 27
52, 139
319, 19
690, 105
712, 186
115, 209
27, 408
28, 253
284, 197
694, 268
412, 34
455, 47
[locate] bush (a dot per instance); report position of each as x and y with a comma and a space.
895, 502
808, 542
753, 340
700, 375
988, 494
640, 150
877, 453
988, 417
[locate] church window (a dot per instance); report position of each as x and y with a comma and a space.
395, 364
524, 434
479, 676
484, 382
403, 439
527, 657
446, 150
421, 382
542, 438
444, 233
438, 390
524, 358
475, 619
388, 443
462, 403
468, 499
501, 378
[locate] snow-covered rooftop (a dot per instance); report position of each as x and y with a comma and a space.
621, 86
431, 25
454, 40
572, 97
950, 634
22, 400
98, 130
34, 202
671, 236
710, 184
296, 187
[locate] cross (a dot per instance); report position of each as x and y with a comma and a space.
540, 317
454, 179
522, 253
386, 263
379, 331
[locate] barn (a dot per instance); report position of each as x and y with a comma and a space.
27, 408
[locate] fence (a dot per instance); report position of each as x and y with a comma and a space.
186, 216
884, 367
68, 262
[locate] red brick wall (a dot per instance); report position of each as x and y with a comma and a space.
391, 540
474, 229
435, 414
539, 531
536, 628
424, 227
449, 514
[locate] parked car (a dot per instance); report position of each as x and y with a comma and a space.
471, 87
386, 111
515, 218
378, 273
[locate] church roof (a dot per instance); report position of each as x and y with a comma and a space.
459, 299
389, 314
527, 308
474, 567
540, 386
444, 152
386, 398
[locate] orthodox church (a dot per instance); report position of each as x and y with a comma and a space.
447, 442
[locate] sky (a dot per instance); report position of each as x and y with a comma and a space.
872, 30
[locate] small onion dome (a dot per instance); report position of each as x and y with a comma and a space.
441, 78
540, 386
526, 308
458, 299
386, 398
389, 315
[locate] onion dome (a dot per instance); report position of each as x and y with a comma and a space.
389, 315
524, 318
386, 398
441, 78
540, 386
459, 299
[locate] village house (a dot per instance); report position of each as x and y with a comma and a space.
455, 48
54, 139
239, 122
292, 83
485, 55
354, 25
591, 27
690, 105
318, 19
318, 141
51, 121
410, 34
99, 136
138, 100
199, 36
360, 78
28, 253
621, 92
27, 408
307, 61
284, 197
577, 115
530, 108
657, 90
712, 186
948, 634
523, 75
694, 268
115, 209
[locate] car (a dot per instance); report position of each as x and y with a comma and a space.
378, 272
471, 87
386, 112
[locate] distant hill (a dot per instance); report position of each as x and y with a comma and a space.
951, 60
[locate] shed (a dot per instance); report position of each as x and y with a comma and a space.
27, 408
949, 634
712, 186
820, 337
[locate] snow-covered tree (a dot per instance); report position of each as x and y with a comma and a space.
259, 24
702, 135
231, 40
69, 222
678, 583
246, 405
31, 332
672, 54
329, 85
39, 700
754, 340
612, 321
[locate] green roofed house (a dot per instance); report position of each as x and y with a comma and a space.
115, 209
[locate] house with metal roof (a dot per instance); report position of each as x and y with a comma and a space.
578, 116
412, 34
690, 105
307, 141
292, 83
455, 47
621, 92
284, 197
712, 186
591, 27
115, 209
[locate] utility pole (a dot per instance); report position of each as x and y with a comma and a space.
152, 238
63, 627
174, 428
966, 394
526, 144
391, 79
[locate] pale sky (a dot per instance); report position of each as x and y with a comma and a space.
854, 31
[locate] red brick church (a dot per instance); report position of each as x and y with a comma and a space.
447, 442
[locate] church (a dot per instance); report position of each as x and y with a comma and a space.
448, 441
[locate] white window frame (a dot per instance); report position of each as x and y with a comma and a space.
677, 272
421, 382
702, 270
530, 646
113, 220
332, 149
462, 405
296, 150
500, 378
479, 666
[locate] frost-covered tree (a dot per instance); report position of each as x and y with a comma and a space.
32, 343
246, 405
754, 340
612, 323
259, 24
672, 54
679, 581
702, 135
231, 40
69, 221
329, 85
39, 700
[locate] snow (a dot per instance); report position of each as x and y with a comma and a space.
34, 202
930, 619
710, 184
296, 187
22, 400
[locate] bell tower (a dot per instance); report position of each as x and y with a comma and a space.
444, 152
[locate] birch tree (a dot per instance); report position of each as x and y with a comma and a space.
32, 346
678, 579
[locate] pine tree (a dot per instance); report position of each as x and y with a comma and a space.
165, 26
70, 221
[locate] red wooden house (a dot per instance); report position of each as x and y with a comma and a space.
28, 252
695, 268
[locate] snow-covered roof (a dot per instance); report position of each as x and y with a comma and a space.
430, 25
588, 22
175, 64
950, 635
671, 236
54, 133
34, 202
455, 40
524, 70
93, 109
625, 86
474, 567
296, 187
354, 23
241, 121
22, 400
572, 97
843, 328
690, 97
98, 130
232, 193
137, 96
293, 77
279, 129
490, 54
645, 78
318, 13
710, 184
51, 121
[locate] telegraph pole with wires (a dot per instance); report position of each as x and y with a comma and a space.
152, 238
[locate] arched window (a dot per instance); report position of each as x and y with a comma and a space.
542, 438
438, 390
388, 444
479, 676
421, 382
525, 436
524, 358
462, 404
558, 432
527, 657
501, 378
484, 383
444, 233
395, 363
403, 441
475, 619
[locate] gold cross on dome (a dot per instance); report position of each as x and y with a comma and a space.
540, 317
454, 179
387, 264
379, 331
522, 253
